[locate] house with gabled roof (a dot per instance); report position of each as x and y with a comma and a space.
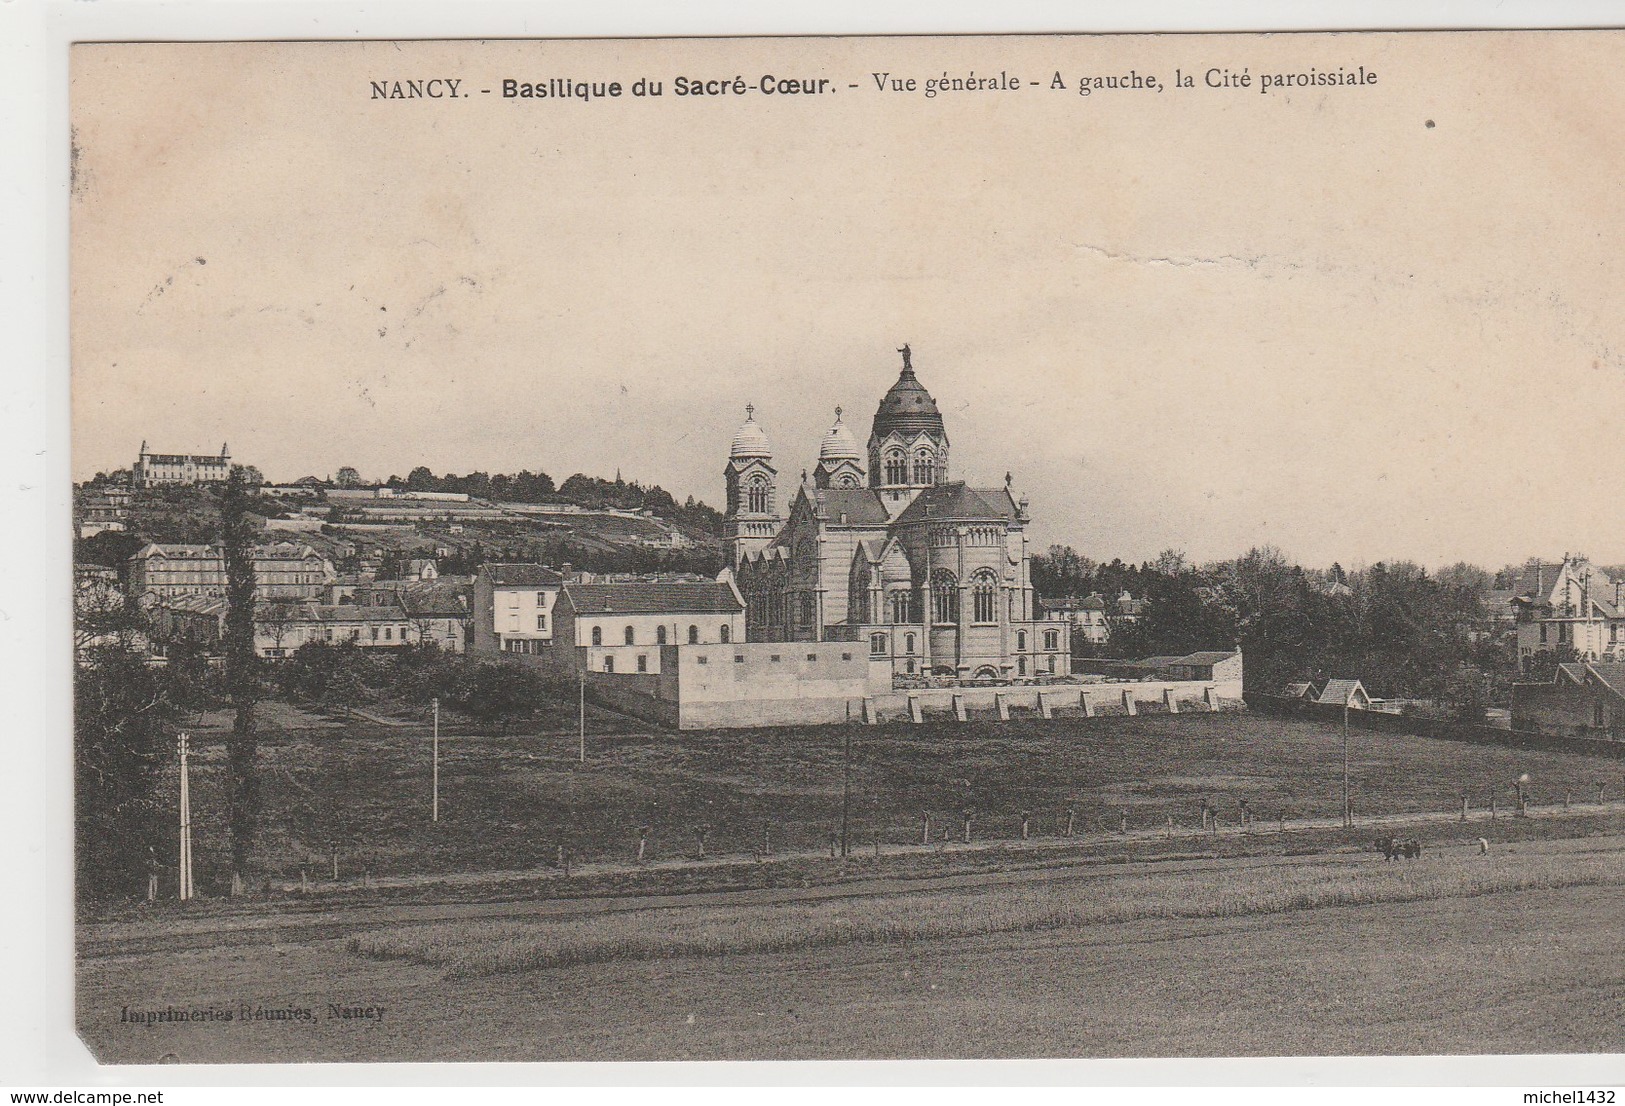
511, 608
1349, 693
1569, 605
621, 627
1582, 699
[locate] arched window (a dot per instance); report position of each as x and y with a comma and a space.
1051, 663
806, 611
896, 467
985, 591
847, 481
944, 596
693, 635
908, 646
726, 633
628, 635
756, 495
660, 635
877, 645
900, 608
1052, 640
923, 473
1021, 666
1021, 641
598, 635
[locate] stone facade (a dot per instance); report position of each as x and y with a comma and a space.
153, 469
882, 549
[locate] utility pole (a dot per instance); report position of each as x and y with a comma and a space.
581, 714
846, 784
1348, 814
435, 784
186, 820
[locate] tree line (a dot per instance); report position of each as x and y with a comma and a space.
1403, 631
592, 492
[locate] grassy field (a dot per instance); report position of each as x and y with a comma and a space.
508, 801
1516, 952
469, 950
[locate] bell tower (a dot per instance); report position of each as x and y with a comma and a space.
753, 518
908, 446
840, 462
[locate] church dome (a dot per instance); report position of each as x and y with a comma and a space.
908, 407
839, 444
750, 440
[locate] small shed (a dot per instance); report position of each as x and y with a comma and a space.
1349, 693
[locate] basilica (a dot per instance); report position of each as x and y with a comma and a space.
880, 547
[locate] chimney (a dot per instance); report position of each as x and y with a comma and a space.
565, 572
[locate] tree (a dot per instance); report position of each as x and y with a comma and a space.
119, 747
101, 612
278, 618
498, 693
237, 534
347, 478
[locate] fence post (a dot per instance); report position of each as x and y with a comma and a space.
1464, 806
1170, 825
643, 842
1565, 800
1071, 820
1492, 806
1026, 816
967, 826
1122, 825
925, 827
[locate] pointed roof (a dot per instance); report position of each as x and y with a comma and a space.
839, 444
907, 407
959, 500
750, 440
1340, 692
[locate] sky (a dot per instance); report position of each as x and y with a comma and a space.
1356, 323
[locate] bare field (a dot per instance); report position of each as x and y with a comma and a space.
1495, 969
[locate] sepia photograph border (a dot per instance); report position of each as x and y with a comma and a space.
38, 1035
